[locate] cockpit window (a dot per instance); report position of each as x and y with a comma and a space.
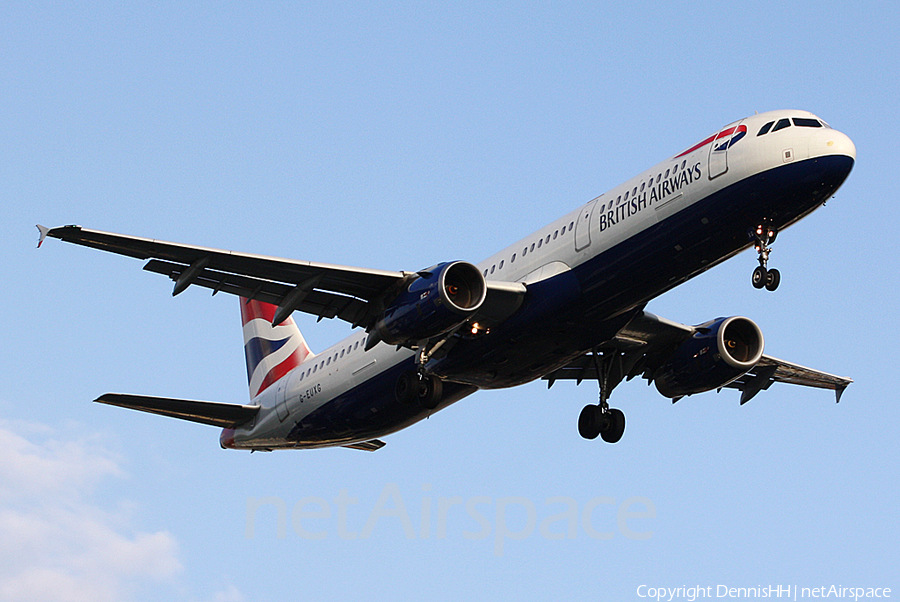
805, 122
782, 123
765, 129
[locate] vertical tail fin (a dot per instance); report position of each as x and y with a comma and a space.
271, 351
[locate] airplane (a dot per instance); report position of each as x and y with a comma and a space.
564, 303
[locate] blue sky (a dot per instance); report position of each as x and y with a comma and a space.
395, 136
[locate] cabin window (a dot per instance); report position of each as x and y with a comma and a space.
342, 352
603, 207
493, 267
675, 169
356, 344
782, 123
328, 362
667, 174
804, 122
642, 186
501, 264
315, 368
626, 197
658, 177
571, 225
683, 163
540, 242
485, 272
513, 259
548, 239
524, 251
765, 129
555, 234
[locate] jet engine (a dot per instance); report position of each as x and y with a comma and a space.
440, 299
718, 353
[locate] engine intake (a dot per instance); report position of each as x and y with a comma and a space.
718, 353
440, 299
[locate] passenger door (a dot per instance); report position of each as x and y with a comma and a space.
718, 150
583, 225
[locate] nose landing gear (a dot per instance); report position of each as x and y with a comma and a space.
762, 276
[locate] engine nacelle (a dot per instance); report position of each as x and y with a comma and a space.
719, 352
440, 299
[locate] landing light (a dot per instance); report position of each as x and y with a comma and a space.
479, 329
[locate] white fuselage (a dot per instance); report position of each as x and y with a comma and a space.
569, 243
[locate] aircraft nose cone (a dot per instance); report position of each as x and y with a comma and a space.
832, 142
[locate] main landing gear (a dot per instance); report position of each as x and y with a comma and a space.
600, 419
762, 276
607, 422
416, 387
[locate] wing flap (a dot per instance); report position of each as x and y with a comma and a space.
225, 415
323, 304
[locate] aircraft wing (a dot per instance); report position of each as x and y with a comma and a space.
645, 343
355, 295
773, 370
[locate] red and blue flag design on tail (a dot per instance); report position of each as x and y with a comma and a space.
271, 351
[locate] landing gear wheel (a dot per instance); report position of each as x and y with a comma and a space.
431, 389
407, 388
761, 277
615, 426
590, 421
773, 279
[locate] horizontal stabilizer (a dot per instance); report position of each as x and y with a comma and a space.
225, 415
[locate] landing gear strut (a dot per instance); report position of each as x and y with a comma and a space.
600, 419
762, 276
